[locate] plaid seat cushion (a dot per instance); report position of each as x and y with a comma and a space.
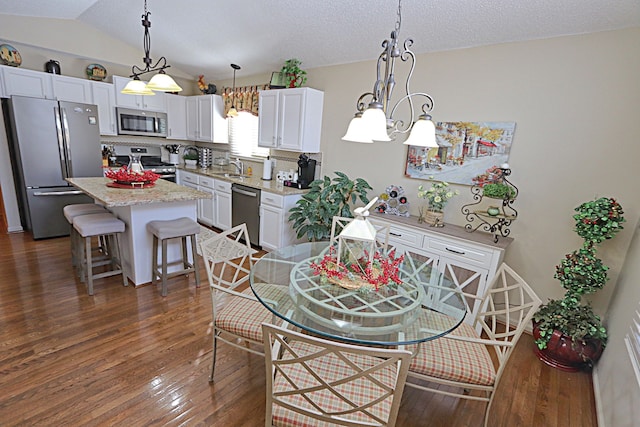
453, 359
360, 391
244, 317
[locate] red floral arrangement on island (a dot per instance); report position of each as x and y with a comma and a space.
362, 274
125, 176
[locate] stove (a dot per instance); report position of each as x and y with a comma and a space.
150, 158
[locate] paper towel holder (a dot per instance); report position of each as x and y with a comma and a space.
267, 171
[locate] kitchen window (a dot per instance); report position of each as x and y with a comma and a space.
243, 136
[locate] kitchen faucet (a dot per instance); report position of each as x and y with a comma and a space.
239, 165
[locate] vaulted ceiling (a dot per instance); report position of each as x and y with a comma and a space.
199, 35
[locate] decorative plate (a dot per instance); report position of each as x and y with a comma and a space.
130, 185
9, 55
96, 72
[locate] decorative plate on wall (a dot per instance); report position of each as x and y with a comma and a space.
9, 55
96, 72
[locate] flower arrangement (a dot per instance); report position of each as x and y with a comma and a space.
125, 176
361, 274
173, 148
437, 195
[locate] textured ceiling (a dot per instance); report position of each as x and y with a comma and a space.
205, 36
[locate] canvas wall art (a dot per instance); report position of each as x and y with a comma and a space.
465, 150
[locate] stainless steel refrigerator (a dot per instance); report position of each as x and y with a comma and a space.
50, 141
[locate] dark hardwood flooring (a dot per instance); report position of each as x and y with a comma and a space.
128, 357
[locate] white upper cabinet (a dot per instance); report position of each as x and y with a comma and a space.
141, 102
104, 96
291, 119
176, 116
71, 89
205, 120
22, 82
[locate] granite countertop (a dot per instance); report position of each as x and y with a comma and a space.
162, 192
272, 186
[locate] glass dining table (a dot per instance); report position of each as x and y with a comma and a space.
423, 306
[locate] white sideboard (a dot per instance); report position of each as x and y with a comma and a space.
470, 260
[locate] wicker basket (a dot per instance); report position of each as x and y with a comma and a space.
434, 218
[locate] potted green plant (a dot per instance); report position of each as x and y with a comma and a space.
190, 158
568, 334
294, 75
313, 213
437, 197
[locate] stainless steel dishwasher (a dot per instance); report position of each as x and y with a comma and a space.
245, 207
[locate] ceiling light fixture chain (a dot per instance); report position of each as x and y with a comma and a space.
378, 112
160, 82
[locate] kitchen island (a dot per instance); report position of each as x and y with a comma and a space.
136, 207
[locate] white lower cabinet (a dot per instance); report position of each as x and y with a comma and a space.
275, 230
469, 260
223, 205
207, 207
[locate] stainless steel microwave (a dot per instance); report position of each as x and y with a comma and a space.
142, 123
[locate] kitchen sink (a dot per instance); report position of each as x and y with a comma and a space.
231, 175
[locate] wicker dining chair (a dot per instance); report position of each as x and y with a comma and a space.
237, 314
315, 382
463, 359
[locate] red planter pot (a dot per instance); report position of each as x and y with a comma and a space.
563, 354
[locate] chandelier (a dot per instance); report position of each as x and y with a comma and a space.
161, 82
374, 120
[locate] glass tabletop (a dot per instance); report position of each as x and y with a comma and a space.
423, 306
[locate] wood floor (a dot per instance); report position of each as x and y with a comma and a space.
128, 357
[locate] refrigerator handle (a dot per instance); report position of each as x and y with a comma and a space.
67, 148
61, 146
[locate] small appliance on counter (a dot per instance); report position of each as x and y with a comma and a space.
305, 175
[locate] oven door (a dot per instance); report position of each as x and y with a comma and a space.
143, 123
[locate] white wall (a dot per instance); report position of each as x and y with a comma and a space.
618, 391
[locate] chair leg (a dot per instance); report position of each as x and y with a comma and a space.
154, 260
185, 255
194, 254
88, 265
164, 267
118, 255
213, 361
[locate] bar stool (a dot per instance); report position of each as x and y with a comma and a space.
103, 226
165, 231
72, 211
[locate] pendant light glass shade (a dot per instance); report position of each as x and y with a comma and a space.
232, 112
423, 133
137, 87
164, 83
357, 132
375, 122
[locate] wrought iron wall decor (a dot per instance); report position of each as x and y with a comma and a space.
493, 219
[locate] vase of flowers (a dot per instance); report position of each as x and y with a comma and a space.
437, 197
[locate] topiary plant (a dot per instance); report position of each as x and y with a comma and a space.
581, 273
313, 214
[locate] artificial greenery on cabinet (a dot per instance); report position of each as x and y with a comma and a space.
313, 214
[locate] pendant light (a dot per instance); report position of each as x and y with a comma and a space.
161, 82
232, 111
374, 120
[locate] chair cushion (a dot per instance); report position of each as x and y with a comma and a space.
72, 211
243, 317
453, 359
97, 224
360, 391
173, 228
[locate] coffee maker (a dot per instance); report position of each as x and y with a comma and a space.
306, 171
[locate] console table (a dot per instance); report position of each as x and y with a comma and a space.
469, 260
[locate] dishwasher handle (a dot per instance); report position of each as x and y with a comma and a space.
243, 192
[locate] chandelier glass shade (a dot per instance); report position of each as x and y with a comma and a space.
374, 119
161, 82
